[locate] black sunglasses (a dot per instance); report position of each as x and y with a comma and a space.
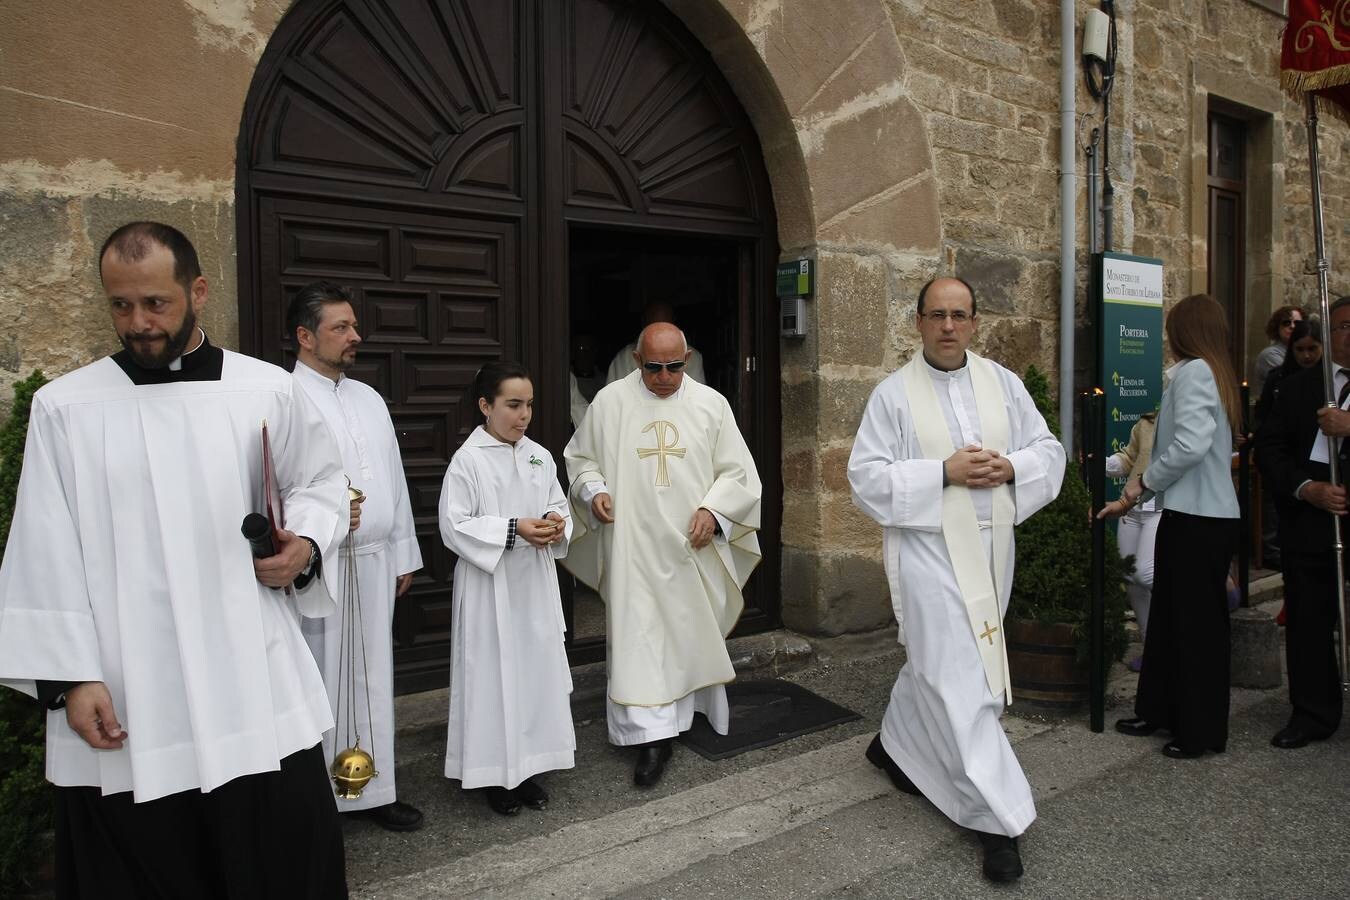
675, 366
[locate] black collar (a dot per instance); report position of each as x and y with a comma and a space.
202, 364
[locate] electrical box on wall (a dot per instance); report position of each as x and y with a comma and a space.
793, 317
796, 281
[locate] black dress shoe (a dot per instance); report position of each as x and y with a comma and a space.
877, 756
1002, 862
1136, 727
396, 816
531, 794
1176, 751
503, 801
1289, 738
651, 763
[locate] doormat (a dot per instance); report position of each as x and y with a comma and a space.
763, 713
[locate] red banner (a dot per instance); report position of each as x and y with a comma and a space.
1316, 50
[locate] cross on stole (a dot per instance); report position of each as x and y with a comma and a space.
989, 632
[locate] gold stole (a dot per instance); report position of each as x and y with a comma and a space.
980, 588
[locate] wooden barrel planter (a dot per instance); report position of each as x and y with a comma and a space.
1043, 661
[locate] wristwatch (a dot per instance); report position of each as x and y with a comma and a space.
313, 556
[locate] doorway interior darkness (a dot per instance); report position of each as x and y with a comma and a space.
437, 157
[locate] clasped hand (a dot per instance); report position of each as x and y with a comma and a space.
1326, 496
541, 532
290, 560
1334, 422
356, 513
975, 467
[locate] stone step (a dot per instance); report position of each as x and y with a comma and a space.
765, 655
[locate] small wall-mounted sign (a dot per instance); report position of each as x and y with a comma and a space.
796, 278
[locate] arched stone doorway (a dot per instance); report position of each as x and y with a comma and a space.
471, 168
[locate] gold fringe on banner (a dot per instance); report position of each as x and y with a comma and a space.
1295, 80
1329, 107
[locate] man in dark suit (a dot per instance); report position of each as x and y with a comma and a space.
1306, 499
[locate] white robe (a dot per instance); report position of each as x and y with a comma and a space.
510, 709
942, 725
125, 565
385, 547
668, 607
623, 364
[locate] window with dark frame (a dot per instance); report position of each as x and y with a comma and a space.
1227, 180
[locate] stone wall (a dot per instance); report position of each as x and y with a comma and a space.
903, 138
114, 110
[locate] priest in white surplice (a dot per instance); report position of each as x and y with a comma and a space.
186, 713
666, 501
950, 455
384, 546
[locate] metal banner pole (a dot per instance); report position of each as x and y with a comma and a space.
1327, 378
1245, 500
1096, 468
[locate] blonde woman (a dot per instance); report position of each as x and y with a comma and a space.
1183, 687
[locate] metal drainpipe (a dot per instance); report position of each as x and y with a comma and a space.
1068, 220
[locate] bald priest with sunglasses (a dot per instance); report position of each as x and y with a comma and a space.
665, 500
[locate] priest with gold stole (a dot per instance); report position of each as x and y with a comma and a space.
665, 502
950, 455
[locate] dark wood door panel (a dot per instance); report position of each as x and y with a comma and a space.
431, 155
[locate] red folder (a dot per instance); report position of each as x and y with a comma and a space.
276, 512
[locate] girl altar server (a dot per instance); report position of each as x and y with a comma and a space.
505, 516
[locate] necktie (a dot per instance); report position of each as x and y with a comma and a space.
1340, 401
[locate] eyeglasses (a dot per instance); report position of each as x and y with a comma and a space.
675, 366
1285, 323
958, 316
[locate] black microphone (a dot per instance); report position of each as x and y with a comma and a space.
258, 532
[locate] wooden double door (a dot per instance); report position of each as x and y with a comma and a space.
441, 158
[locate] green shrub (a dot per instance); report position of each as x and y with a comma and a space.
1052, 576
25, 798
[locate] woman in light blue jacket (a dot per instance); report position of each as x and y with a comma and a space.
1183, 687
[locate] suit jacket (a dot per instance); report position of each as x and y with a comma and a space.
1193, 451
1283, 443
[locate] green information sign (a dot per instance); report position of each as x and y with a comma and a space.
1130, 290
796, 278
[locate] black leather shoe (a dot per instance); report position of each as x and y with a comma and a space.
503, 802
651, 763
1002, 862
877, 756
1176, 751
1135, 727
396, 816
1290, 738
531, 794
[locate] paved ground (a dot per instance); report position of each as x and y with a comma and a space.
810, 818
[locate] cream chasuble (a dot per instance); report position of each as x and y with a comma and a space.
668, 606
942, 724
960, 527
